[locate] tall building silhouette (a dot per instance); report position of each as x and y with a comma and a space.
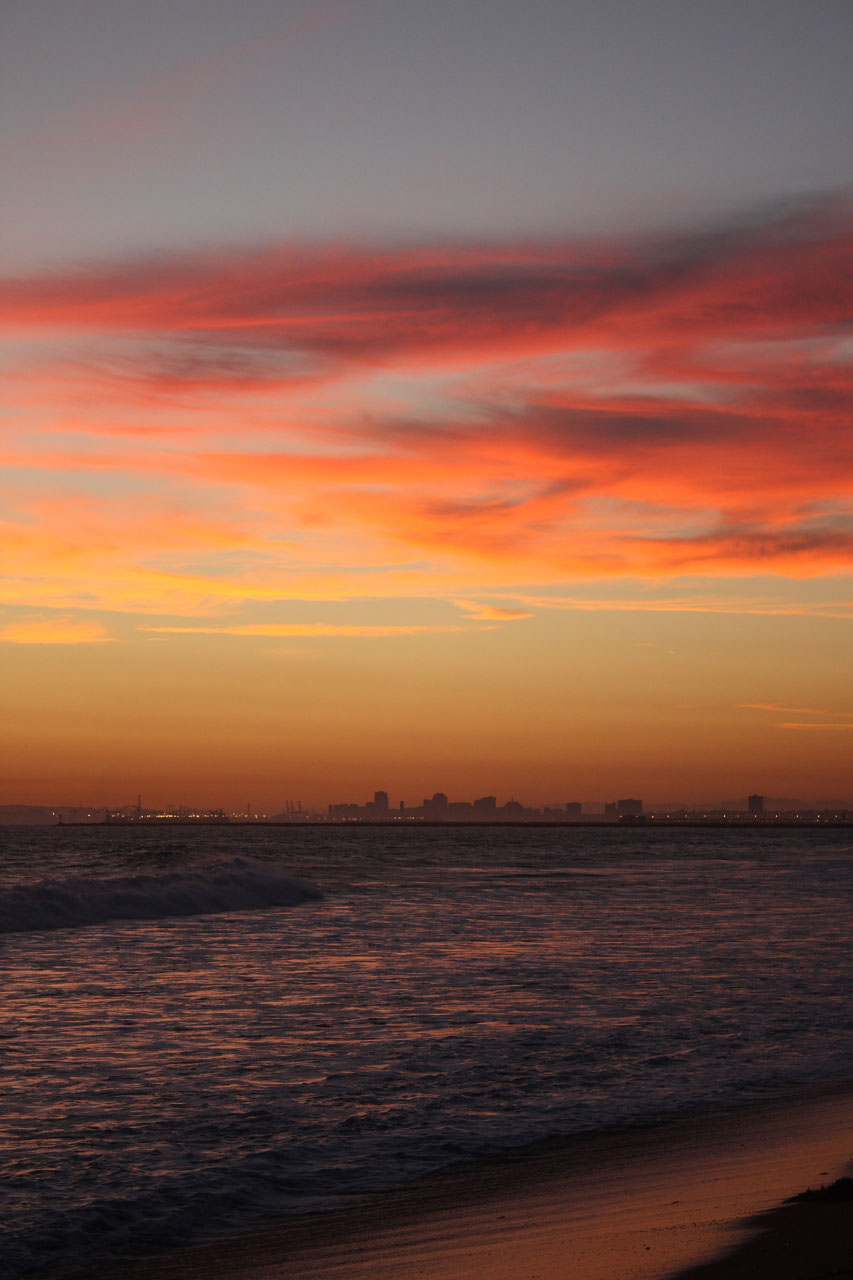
437, 808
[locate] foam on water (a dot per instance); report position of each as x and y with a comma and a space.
454, 994
242, 884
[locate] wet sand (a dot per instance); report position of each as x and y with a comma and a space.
699, 1198
797, 1241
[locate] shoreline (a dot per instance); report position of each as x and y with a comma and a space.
682, 1198
417, 824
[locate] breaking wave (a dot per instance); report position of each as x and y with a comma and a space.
241, 884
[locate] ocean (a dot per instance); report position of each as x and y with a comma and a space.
203, 1029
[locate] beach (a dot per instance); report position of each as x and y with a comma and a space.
426, 804
476, 1054
699, 1198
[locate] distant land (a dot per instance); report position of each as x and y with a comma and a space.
753, 809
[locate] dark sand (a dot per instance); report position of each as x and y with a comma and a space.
700, 1199
798, 1240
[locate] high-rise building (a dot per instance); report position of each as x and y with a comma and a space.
629, 808
436, 809
380, 801
755, 805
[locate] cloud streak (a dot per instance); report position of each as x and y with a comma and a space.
537, 411
53, 631
796, 724
312, 630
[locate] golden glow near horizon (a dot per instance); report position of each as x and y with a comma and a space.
562, 520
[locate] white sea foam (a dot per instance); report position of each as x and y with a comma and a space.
241, 884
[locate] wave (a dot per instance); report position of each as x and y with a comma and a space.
241, 884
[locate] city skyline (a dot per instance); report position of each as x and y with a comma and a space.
440, 807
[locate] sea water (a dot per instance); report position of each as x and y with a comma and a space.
204, 1028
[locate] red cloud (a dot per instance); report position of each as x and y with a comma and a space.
376, 305
562, 409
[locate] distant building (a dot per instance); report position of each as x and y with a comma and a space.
755, 805
611, 810
345, 812
380, 803
436, 809
574, 809
485, 808
629, 808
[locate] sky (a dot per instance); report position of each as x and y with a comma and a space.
426, 397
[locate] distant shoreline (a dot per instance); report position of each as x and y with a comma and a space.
739, 824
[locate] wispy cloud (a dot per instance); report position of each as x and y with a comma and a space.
816, 725
491, 612
829, 717
309, 630
53, 631
775, 707
111, 127
697, 603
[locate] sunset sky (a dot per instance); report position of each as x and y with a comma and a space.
426, 396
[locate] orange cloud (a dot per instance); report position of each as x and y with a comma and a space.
773, 706
695, 602
491, 612
312, 630
191, 432
53, 631
821, 725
